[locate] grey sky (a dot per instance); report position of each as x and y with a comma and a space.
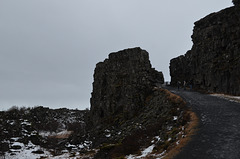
49, 48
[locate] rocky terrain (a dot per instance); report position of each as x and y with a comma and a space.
122, 83
213, 63
40, 130
131, 116
129, 109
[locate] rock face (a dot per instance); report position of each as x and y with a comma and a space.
121, 84
213, 63
129, 109
236, 2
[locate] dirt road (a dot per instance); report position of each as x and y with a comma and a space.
218, 136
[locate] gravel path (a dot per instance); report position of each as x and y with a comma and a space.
219, 128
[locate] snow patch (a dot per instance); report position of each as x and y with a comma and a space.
175, 118
25, 152
25, 122
177, 143
156, 139
108, 135
145, 152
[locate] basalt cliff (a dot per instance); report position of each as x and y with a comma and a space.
213, 63
129, 109
122, 83
131, 116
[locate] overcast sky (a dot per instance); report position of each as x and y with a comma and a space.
49, 48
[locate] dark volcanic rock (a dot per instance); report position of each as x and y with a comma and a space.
236, 2
128, 107
213, 63
121, 84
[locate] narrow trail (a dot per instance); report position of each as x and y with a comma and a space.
218, 135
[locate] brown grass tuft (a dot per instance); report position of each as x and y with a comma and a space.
173, 98
62, 135
189, 131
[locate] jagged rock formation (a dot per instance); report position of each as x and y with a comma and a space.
213, 63
129, 110
121, 84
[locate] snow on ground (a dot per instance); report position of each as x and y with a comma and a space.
25, 152
148, 152
70, 156
30, 151
175, 118
145, 152
228, 97
25, 122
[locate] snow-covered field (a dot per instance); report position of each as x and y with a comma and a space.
27, 154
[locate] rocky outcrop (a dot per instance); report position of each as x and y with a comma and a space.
121, 84
213, 63
236, 2
129, 110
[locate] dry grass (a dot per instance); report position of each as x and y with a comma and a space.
189, 131
132, 143
62, 135
173, 149
175, 99
190, 128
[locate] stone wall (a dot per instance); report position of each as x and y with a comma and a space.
213, 63
121, 84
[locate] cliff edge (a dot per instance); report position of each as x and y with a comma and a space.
121, 84
213, 63
129, 109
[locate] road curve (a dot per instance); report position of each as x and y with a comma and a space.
218, 136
